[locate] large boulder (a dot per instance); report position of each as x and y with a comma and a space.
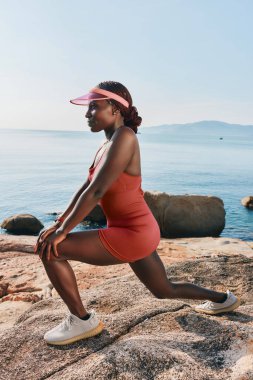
22, 224
187, 215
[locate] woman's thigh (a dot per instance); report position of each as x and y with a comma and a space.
85, 246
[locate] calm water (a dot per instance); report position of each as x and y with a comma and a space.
41, 170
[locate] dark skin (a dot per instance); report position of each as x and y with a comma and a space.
56, 245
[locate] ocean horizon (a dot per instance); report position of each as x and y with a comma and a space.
42, 169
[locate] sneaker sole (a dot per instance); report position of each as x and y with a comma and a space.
97, 330
221, 310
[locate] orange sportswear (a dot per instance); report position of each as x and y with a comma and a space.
132, 231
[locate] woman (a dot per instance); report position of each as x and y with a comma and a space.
132, 234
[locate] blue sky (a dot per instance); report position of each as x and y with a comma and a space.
181, 60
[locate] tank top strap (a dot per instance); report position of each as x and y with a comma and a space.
92, 165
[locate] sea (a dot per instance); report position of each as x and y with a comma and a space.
42, 169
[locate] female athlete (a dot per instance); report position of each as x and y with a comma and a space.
132, 233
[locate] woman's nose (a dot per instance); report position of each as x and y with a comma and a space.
88, 114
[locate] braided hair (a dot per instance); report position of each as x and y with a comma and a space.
130, 115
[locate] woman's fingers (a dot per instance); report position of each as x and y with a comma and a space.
39, 252
43, 246
36, 247
43, 235
40, 237
55, 250
48, 249
47, 232
37, 242
39, 249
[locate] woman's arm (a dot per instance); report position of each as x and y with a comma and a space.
58, 223
116, 161
74, 199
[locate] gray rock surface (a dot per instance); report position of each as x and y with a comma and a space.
144, 337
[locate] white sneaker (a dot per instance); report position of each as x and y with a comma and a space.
209, 307
73, 328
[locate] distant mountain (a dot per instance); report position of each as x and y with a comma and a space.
210, 127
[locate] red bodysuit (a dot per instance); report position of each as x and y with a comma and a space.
132, 231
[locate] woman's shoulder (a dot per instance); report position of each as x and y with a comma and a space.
125, 133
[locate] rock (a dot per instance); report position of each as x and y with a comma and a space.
21, 296
144, 337
96, 215
23, 271
56, 213
3, 288
20, 243
22, 287
187, 215
22, 224
9, 312
247, 201
47, 291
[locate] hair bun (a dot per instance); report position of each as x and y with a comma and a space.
132, 118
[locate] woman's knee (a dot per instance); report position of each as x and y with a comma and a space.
165, 291
54, 255
46, 261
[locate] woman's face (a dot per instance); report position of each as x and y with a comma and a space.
100, 115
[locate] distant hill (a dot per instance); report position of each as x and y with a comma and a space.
210, 127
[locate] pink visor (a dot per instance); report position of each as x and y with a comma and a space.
98, 94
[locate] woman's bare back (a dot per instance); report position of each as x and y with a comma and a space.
134, 166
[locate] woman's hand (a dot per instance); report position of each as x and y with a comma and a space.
46, 232
48, 245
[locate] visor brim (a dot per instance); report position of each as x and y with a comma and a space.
84, 100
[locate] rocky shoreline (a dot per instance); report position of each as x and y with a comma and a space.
144, 335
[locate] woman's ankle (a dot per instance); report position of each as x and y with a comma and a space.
222, 298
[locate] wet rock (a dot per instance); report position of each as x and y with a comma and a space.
247, 202
22, 224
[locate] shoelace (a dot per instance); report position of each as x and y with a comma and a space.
68, 321
208, 304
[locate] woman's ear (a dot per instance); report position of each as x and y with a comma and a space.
114, 111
